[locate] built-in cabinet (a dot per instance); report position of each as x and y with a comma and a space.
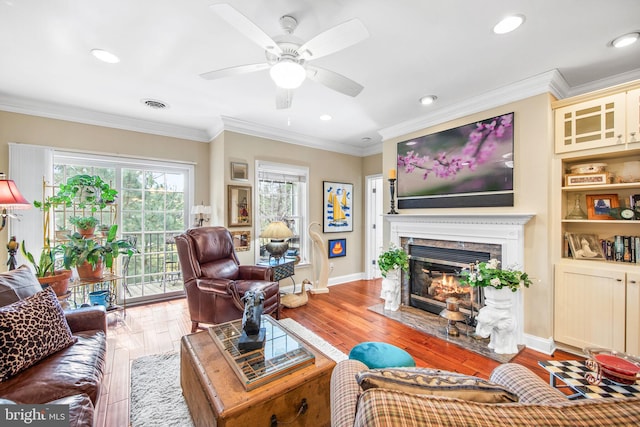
633, 313
596, 301
591, 305
601, 122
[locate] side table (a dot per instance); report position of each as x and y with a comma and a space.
571, 373
281, 269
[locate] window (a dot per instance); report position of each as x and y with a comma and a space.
282, 195
152, 208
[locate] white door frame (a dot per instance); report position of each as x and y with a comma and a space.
374, 223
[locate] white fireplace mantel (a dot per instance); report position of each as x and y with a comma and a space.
506, 230
496, 218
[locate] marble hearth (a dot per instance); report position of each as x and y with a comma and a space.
504, 232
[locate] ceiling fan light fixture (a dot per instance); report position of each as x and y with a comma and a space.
625, 40
105, 56
508, 24
428, 100
288, 74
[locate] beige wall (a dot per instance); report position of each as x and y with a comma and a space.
323, 166
533, 151
533, 128
22, 128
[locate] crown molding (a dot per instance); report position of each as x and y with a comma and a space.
605, 83
90, 117
551, 81
254, 129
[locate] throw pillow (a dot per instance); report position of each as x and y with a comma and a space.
381, 355
437, 383
17, 284
30, 330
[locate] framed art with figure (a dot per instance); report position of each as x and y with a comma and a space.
585, 246
239, 206
337, 205
599, 205
337, 248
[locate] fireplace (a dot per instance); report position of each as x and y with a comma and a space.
445, 244
434, 275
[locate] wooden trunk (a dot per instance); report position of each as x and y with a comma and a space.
216, 397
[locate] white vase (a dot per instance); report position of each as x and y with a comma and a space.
391, 290
497, 320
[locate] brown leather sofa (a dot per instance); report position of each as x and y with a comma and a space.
70, 376
214, 280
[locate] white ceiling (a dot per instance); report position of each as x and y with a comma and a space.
415, 48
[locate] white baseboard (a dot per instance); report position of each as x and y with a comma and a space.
344, 279
542, 345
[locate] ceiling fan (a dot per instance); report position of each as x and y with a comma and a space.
288, 56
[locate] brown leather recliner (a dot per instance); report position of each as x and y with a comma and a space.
215, 281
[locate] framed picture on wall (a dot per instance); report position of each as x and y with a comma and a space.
239, 171
337, 248
337, 205
239, 211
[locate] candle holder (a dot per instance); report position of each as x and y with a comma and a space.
392, 190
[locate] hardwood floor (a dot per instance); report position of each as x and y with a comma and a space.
341, 317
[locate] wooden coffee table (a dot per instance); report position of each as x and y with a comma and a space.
216, 396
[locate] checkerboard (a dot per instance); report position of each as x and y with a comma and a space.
572, 373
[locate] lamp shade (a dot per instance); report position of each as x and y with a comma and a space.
10, 196
277, 230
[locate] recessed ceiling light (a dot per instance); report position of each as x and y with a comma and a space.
325, 117
105, 56
366, 139
625, 40
428, 100
508, 24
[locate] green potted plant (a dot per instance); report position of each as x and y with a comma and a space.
45, 269
86, 225
390, 263
485, 274
391, 259
84, 190
90, 257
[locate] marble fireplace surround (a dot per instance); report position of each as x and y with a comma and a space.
506, 230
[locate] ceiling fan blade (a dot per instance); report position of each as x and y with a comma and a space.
234, 71
334, 81
246, 27
283, 98
334, 39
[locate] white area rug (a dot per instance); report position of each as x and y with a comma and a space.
156, 395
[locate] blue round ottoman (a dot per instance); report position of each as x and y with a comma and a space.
381, 355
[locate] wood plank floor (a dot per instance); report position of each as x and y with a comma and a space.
341, 317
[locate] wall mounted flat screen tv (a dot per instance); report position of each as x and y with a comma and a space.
468, 166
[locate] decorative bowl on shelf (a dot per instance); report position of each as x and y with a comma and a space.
618, 367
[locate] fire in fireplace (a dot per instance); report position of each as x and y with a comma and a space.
434, 274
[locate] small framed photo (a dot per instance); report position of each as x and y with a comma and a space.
585, 246
586, 179
599, 205
241, 240
239, 171
239, 206
337, 248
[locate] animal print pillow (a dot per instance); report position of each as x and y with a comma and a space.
30, 330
